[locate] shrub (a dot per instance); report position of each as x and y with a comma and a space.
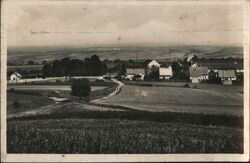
187, 85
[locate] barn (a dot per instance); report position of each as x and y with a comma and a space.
136, 71
198, 74
227, 76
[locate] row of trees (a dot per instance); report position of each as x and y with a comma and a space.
75, 67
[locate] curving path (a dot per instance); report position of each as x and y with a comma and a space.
48, 108
117, 90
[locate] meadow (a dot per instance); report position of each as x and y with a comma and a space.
95, 136
199, 98
21, 98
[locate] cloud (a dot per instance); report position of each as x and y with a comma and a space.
95, 25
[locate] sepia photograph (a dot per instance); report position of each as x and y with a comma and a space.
105, 81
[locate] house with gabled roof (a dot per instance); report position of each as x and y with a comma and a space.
153, 63
15, 76
227, 76
198, 74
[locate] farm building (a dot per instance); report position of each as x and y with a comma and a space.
227, 76
165, 72
153, 63
137, 71
15, 76
219, 64
198, 74
110, 75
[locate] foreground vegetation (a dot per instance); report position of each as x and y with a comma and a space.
119, 136
83, 112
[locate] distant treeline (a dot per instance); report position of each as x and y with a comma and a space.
75, 67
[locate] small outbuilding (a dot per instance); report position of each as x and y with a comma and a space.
165, 72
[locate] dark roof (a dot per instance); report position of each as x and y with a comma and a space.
221, 64
198, 71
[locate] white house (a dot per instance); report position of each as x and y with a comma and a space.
15, 76
227, 76
153, 63
136, 71
165, 72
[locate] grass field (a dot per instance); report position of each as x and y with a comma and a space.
119, 136
31, 97
206, 98
25, 102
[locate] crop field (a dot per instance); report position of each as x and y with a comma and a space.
119, 136
205, 98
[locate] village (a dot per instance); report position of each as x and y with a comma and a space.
190, 69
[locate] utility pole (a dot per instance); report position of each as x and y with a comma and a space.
136, 58
169, 59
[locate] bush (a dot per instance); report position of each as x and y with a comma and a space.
81, 89
99, 80
187, 85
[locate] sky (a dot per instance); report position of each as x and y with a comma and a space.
118, 25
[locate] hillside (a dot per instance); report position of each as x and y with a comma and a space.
19, 55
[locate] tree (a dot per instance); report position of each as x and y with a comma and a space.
47, 70
58, 68
31, 62
81, 89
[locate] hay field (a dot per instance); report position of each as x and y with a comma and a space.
209, 99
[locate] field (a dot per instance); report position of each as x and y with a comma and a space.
49, 87
164, 118
21, 98
25, 102
119, 136
25, 67
17, 55
205, 98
